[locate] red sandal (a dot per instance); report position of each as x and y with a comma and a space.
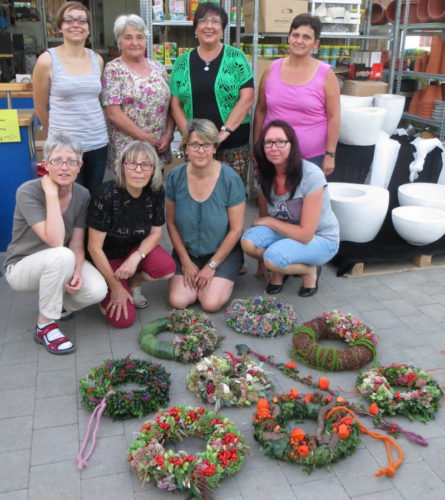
52, 346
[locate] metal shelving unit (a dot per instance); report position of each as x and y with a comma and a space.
418, 29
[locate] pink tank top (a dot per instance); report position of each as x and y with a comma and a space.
302, 106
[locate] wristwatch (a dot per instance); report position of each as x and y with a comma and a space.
141, 253
224, 128
213, 264
330, 153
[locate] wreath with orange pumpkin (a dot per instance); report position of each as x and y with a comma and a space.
336, 436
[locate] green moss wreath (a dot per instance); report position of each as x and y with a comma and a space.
335, 438
197, 336
173, 471
104, 381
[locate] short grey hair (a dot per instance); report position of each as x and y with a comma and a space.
203, 128
131, 20
62, 140
130, 153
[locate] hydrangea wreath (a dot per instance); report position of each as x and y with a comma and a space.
261, 316
194, 474
335, 438
334, 325
419, 402
103, 381
197, 337
227, 381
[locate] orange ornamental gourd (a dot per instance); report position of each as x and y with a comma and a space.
303, 450
374, 409
323, 383
262, 403
297, 434
291, 365
343, 431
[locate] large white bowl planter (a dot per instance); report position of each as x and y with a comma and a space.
361, 126
425, 194
419, 225
359, 208
394, 105
355, 101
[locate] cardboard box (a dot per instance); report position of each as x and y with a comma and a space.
275, 16
364, 88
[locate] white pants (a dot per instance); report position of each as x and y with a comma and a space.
47, 272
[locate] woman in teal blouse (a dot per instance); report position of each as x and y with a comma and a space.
205, 204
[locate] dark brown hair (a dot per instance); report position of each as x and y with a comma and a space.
266, 170
212, 8
307, 20
71, 6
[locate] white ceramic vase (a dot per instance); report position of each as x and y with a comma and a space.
359, 208
419, 225
361, 126
394, 105
355, 101
426, 194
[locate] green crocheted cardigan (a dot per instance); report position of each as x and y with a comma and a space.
233, 72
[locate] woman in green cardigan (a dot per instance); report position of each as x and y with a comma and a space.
215, 81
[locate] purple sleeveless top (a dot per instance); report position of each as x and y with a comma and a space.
302, 106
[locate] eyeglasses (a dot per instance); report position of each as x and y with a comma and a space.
211, 20
58, 162
133, 165
194, 146
78, 20
280, 143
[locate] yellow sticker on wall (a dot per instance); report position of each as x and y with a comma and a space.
9, 125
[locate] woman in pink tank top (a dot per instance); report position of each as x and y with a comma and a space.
305, 93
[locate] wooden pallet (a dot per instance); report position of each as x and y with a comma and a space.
417, 263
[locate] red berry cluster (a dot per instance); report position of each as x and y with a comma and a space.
210, 389
229, 438
179, 462
227, 457
209, 470
215, 421
175, 412
159, 459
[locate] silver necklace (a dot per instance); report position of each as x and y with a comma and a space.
207, 63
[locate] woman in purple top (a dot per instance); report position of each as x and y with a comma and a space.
305, 93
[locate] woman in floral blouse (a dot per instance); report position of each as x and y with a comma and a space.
136, 96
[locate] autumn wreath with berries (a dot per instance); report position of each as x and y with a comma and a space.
228, 381
177, 471
196, 336
104, 381
336, 437
334, 325
419, 402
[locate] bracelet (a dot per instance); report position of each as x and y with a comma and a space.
330, 153
225, 128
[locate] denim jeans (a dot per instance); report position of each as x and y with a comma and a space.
93, 169
282, 251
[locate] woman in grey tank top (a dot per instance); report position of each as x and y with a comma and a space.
67, 86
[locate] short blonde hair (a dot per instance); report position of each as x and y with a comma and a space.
130, 153
203, 128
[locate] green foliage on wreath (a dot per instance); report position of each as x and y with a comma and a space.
419, 402
196, 336
335, 438
177, 471
121, 405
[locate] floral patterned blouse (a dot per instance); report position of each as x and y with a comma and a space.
144, 99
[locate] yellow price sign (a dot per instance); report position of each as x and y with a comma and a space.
9, 125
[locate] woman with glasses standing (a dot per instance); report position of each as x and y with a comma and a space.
136, 96
66, 86
125, 222
215, 81
205, 204
296, 231
46, 253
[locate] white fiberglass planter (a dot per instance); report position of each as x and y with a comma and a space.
426, 194
359, 208
355, 101
361, 126
394, 105
419, 225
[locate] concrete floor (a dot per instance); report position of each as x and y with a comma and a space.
43, 423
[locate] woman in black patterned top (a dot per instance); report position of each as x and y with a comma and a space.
125, 222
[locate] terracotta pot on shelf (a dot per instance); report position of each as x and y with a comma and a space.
425, 57
378, 14
418, 65
414, 103
442, 65
422, 12
436, 10
412, 16
426, 104
435, 58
